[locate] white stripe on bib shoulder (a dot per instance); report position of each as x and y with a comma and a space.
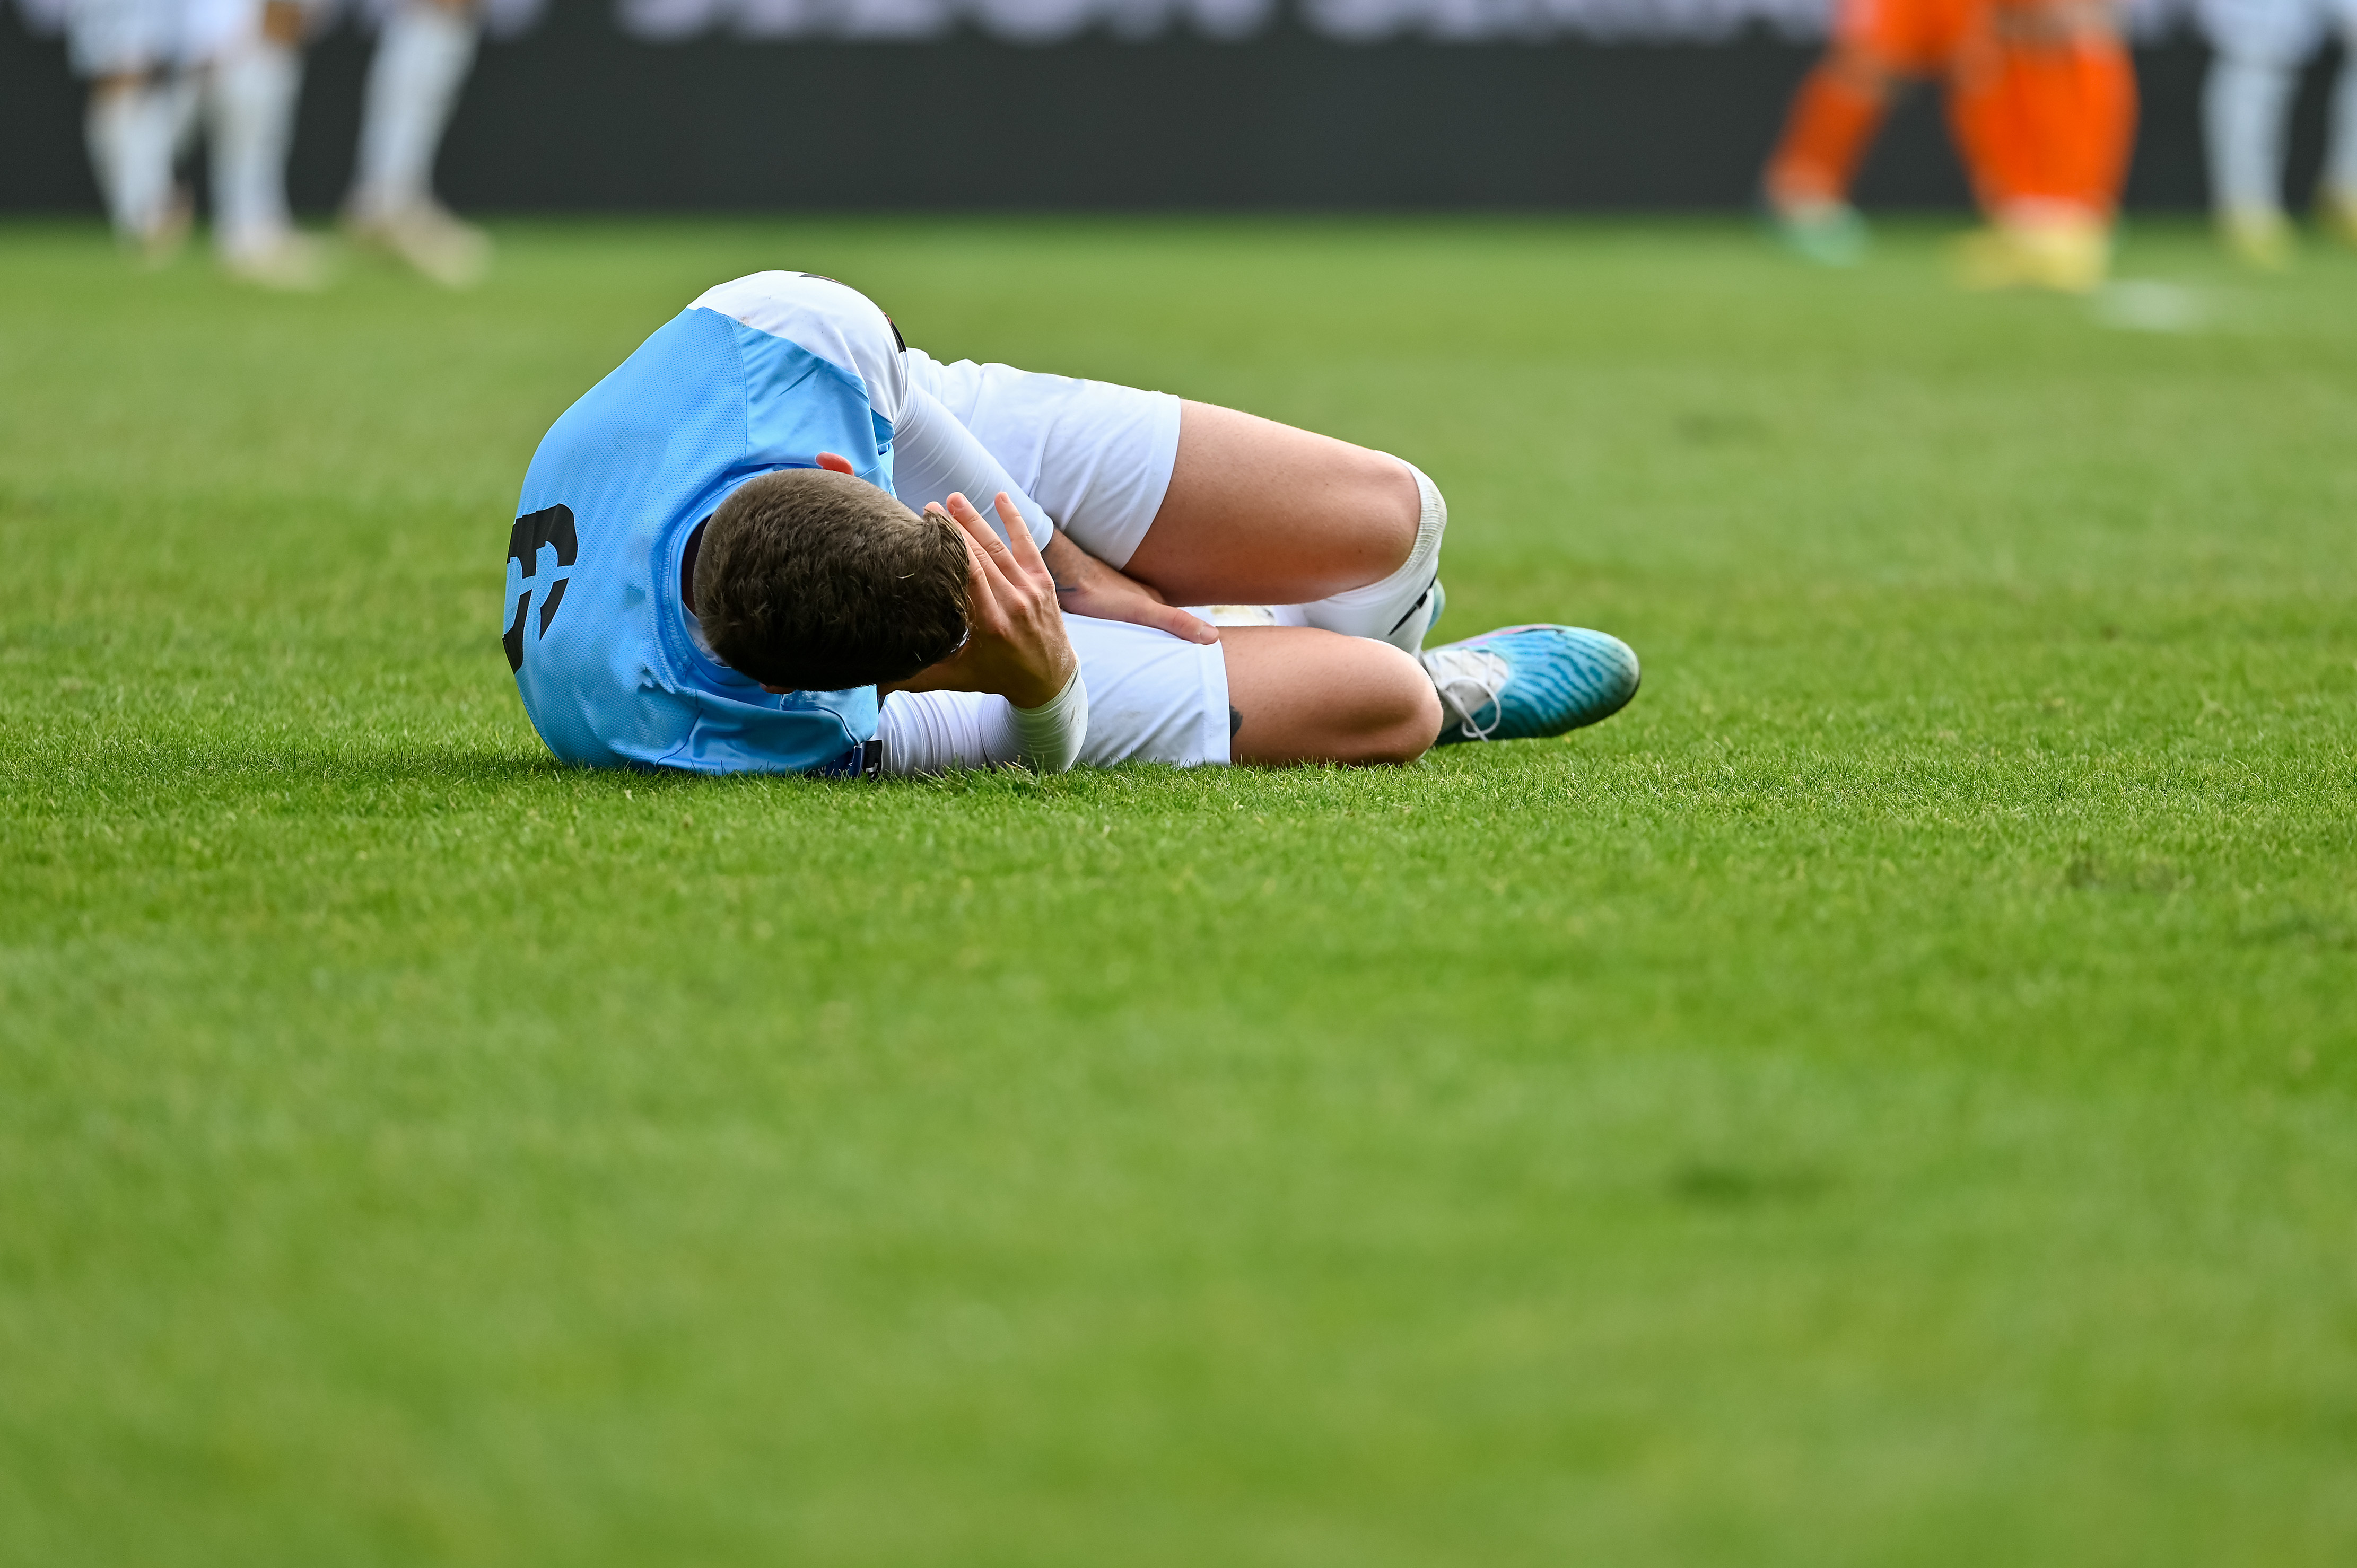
831, 320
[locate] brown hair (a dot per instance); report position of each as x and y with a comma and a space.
816, 582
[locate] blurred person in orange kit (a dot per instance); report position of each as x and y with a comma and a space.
2041, 103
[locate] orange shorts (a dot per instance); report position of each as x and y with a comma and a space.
1913, 38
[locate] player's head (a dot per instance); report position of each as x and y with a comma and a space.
813, 581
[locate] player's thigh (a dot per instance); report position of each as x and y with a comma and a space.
1259, 512
1299, 694
1152, 697
1098, 457
1205, 504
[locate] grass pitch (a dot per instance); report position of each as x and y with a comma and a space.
1885, 1098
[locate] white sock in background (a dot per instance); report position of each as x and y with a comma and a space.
183, 97
2243, 105
412, 84
130, 132
931, 732
254, 86
105, 127
1398, 609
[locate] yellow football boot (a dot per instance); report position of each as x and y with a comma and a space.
2258, 237
2065, 254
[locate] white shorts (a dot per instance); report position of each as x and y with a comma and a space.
1097, 455
1152, 697
125, 37
2281, 32
120, 38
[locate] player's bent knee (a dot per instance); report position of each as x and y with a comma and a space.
1419, 716
1299, 694
1391, 504
1397, 714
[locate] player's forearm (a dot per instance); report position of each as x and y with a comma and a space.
934, 731
1087, 586
1067, 563
934, 456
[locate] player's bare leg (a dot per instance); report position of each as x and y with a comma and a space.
1304, 696
1259, 512
1339, 546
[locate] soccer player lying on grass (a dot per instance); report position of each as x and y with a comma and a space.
750, 549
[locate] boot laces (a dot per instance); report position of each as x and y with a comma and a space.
1469, 680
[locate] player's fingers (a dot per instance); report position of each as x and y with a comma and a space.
971, 520
836, 463
986, 553
1176, 622
1018, 537
992, 547
979, 599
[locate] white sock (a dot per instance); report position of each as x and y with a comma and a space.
105, 127
1398, 609
182, 99
254, 87
933, 732
2242, 108
130, 136
413, 85
2340, 158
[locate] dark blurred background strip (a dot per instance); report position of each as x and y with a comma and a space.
576, 116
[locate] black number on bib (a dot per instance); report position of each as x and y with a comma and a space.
550, 525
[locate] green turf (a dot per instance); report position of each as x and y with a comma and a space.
1886, 1098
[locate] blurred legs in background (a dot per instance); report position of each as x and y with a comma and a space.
2041, 104
254, 77
421, 62
1877, 47
132, 130
2260, 47
2047, 119
139, 105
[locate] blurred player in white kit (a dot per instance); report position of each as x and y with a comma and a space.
422, 55
251, 55
2261, 45
135, 53
154, 63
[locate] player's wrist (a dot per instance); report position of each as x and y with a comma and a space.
1041, 687
1048, 737
1068, 564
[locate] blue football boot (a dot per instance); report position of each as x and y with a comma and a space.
1524, 683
